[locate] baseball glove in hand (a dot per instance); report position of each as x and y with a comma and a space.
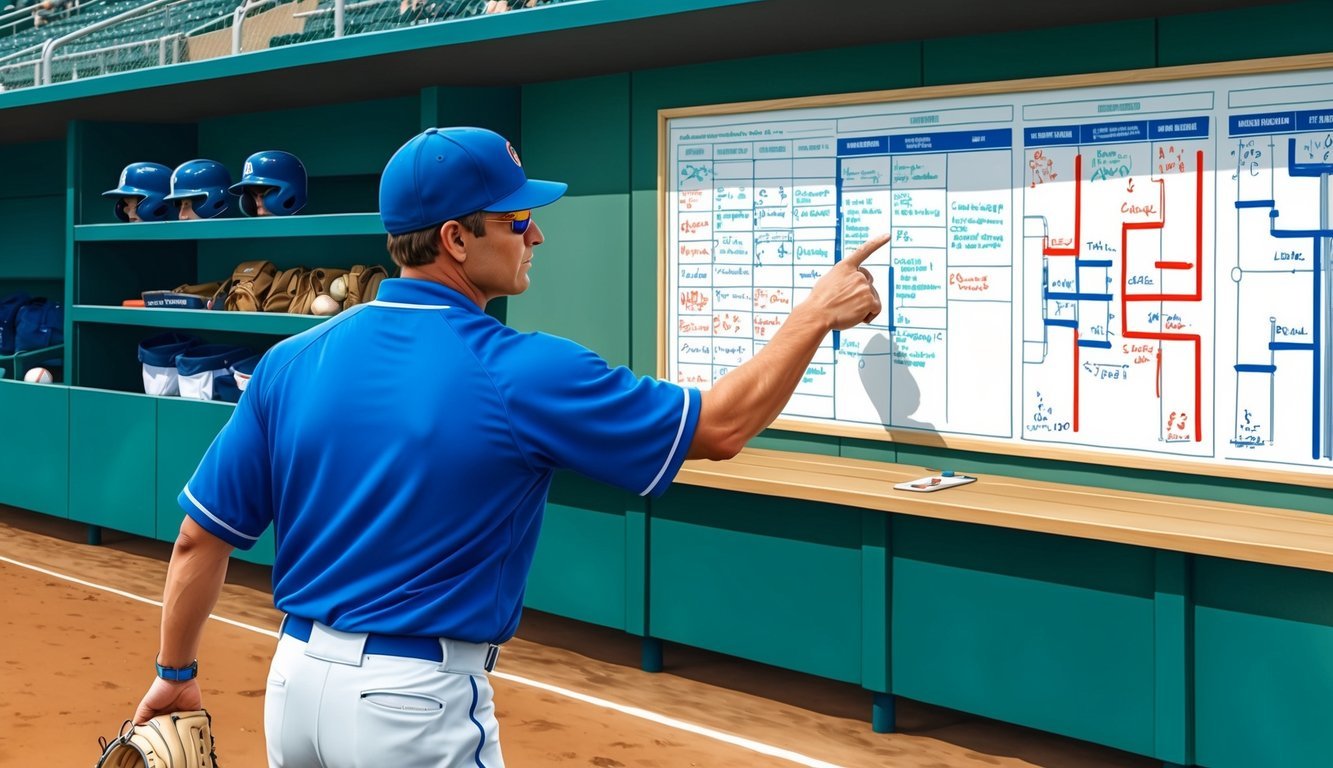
177, 740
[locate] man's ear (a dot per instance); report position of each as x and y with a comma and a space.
451, 241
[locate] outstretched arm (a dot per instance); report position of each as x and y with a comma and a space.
194, 581
749, 398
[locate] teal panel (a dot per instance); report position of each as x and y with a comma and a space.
1173, 629
185, 429
34, 455
579, 568
768, 579
777, 440
109, 273
876, 606
32, 237
577, 132
1044, 631
1273, 29
39, 164
644, 300
112, 460
349, 139
1263, 667
1040, 52
495, 108
636, 567
579, 275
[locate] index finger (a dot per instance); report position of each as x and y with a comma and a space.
861, 254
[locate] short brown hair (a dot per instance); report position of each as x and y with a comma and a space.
419, 248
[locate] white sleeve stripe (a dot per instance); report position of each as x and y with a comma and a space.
214, 517
671, 455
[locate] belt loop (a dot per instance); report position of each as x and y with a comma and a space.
329, 644
444, 655
492, 655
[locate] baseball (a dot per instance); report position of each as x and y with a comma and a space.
38, 376
338, 288
325, 304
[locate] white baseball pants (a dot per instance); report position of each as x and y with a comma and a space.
328, 705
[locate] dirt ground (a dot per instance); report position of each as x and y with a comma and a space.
75, 659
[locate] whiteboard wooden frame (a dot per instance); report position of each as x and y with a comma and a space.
1123, 77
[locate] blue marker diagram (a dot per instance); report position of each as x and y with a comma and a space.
1282, 377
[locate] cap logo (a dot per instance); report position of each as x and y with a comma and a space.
123, 176
513, 154
249, 168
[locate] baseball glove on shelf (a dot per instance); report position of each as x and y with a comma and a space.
177, 740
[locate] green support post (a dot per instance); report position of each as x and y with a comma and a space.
652, 655
882, 713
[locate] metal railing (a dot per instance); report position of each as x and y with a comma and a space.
279, 27
49, 47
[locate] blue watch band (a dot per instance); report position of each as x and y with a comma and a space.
178, 674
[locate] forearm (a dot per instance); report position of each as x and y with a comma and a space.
194, 582
751, 396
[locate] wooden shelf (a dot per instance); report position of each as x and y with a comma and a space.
330, 225
276, 323
1218, 529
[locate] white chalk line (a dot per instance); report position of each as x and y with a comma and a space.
642, 714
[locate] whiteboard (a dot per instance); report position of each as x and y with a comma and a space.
1132, 273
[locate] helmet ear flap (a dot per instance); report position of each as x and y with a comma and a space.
156, 208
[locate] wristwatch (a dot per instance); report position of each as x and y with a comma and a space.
178, 674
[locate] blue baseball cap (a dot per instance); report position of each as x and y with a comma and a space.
444, 173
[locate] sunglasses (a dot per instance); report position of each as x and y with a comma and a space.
518, 220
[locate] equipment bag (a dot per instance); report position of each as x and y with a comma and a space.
158, 356
200, 366
363, 283
41, 324
9, 317
248, 287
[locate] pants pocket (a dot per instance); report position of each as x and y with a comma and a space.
403, 701
402, 727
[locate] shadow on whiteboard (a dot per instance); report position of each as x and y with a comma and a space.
895, 392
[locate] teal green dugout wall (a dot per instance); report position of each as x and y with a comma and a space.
1187, 659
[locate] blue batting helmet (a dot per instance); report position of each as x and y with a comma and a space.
207, 179
283, 173
150, 182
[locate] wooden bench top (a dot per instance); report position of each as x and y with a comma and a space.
1220, 529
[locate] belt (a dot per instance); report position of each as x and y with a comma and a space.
408, 646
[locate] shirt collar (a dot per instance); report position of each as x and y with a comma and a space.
406, 290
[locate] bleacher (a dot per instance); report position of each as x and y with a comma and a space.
131, 44
151, 39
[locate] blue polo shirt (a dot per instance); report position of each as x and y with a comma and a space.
403, 451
